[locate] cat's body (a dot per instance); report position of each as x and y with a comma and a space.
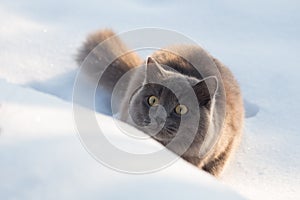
220, 104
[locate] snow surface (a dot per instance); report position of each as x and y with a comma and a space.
41, 156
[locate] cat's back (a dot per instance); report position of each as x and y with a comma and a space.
182, 58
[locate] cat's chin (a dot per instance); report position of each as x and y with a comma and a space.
152, 130
161, 139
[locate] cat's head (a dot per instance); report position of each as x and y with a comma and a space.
168, 99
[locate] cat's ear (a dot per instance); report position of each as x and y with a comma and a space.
206, 90
154, 71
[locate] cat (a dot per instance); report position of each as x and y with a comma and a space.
158, 97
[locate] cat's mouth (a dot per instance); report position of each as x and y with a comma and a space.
163, 135
152, 129
153, 124
157, 130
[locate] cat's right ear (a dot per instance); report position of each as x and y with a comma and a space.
150, 60
154, 71
206, 90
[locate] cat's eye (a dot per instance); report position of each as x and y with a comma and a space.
181, 109
153, 101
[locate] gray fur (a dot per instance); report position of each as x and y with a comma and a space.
165, 74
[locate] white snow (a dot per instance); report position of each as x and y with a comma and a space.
42, 158
41, 155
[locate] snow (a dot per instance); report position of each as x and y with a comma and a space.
42, 158
41, 155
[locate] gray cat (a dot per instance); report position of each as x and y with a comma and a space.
197, 112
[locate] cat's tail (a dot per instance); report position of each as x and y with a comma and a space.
105, 58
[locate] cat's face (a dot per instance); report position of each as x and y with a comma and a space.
158, 111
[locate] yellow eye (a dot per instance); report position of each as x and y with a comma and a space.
181, 109
153, 101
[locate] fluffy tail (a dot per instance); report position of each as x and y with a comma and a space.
100, 57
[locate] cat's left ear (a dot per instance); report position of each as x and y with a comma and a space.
154, 71
206, 90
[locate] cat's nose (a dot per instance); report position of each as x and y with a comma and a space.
159, 114
146, 122
160, 120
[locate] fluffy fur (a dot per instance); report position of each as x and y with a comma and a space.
211, 101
